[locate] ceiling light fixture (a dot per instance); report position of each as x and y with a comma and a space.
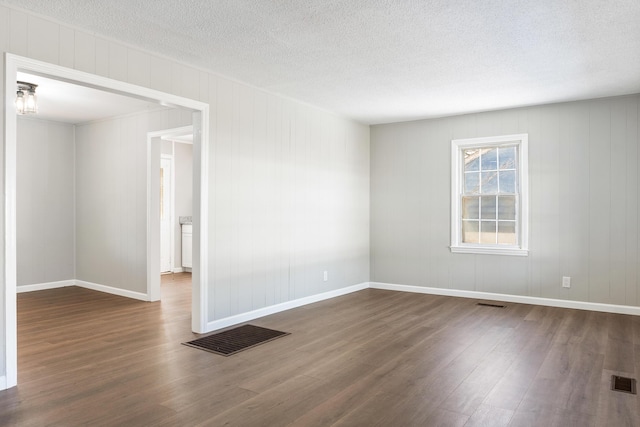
26, 100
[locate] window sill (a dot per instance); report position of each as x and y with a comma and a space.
489, 250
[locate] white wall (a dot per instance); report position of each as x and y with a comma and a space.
584, 189
288, 185
111, 201
45, 202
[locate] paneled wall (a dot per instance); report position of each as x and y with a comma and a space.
45, 202
111, 197
584, 183
290, 196
288, 190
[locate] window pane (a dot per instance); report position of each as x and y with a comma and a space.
507, 181
490, 209
471, 160
488, 204
507, 207
489, 160
506, 232
489, 182
472, 183
470, 208
507, 157
470, 231
488, 232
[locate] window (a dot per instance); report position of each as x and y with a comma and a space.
489, 195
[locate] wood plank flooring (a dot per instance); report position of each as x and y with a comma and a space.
372, 358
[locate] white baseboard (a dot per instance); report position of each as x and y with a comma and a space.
245, 317
43, 286
112, 290
3, 382
178, 270
261, 312
579, 305
82, 284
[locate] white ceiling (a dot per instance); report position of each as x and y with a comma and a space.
64, 102
380, 61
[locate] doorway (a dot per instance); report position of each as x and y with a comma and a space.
177, 145
200, 110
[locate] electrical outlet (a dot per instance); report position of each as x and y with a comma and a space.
326, 275
566, 281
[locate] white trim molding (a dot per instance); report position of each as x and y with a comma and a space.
201, 206
44, 286
111, 290
82, 284
9, 262
261, 312
172, 206
266, 311
521, 299
521, 248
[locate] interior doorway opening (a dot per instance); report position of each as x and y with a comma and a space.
174, 147
200, 114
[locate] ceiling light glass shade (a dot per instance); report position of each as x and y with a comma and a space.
20, 102
31, 103
26, 99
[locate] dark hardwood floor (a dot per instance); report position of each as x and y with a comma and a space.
372, 358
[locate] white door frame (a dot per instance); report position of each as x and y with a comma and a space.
172, 208
153, 215
15, 63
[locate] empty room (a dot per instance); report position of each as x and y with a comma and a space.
379, 213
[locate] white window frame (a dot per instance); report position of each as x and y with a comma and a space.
522, 208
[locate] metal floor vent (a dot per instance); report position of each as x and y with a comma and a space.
623, 384
235, 340
486, 304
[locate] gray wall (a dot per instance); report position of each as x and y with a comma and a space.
290, 195
183, 165
111, 197
583, 163
45, 202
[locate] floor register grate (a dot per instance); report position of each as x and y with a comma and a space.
623, 384
486, 304
235, 340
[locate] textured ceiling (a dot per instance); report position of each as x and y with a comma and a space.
380, 61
